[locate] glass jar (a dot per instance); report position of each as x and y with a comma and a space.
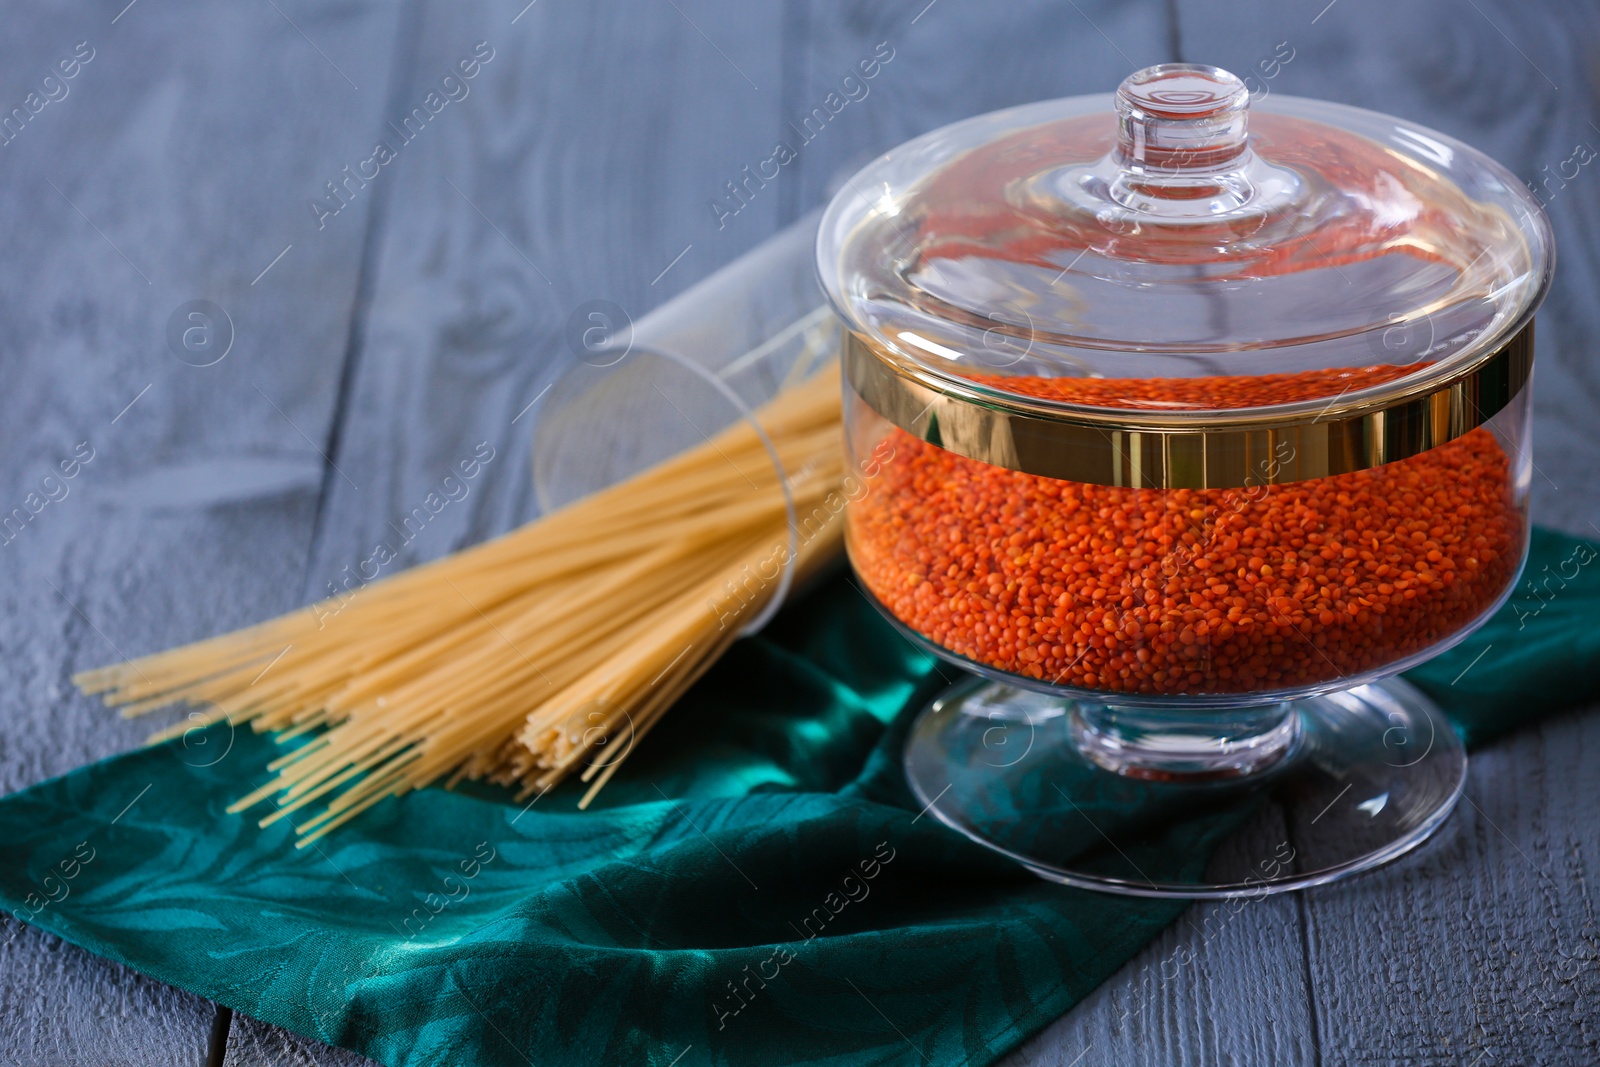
1185, 424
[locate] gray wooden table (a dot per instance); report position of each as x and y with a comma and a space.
364, 345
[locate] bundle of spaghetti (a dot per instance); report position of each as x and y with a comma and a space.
554, 647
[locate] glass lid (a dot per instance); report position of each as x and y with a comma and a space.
1179, 247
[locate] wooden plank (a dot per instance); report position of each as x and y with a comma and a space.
582, 167
1482, 949
253, 1043
174, 165
951, 60
1225, 984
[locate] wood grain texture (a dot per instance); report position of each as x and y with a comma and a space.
580, 168
1225, 984
61, 1006
1485, 946
951, 60
174, 168
252, 1043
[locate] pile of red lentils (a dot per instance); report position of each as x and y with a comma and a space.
1188, 591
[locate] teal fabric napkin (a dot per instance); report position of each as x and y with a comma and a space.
757, 885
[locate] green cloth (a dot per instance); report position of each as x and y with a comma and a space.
758, 886
1540, 653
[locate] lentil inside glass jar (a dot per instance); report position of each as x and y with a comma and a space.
1270, 586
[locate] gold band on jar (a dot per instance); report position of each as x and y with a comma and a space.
1153, 450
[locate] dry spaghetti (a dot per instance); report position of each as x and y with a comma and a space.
552, 648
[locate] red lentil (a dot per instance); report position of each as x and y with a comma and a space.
1188, 591
1199, 394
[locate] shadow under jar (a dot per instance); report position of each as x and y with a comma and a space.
1184, 427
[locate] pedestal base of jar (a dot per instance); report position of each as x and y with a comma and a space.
1341, 784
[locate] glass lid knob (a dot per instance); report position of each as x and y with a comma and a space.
1182, 153
1182, 119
